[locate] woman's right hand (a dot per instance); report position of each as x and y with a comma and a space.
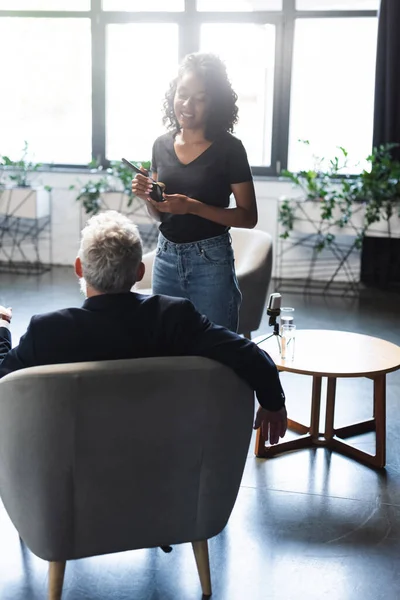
142, 185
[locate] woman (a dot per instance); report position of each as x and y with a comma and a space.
201, 164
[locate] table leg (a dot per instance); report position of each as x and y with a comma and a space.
297, 427
259, 449
315, 407
330, 408
310, 434
378, 424
334, 437
380, 419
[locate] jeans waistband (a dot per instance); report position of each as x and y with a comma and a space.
219, 240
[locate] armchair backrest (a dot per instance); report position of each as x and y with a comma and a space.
111, 456
253, 260
253, 252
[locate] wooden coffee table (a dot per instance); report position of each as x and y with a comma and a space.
333, 354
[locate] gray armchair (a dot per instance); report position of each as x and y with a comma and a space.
253, 260
105, 457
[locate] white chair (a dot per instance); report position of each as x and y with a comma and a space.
253, 261
83, 474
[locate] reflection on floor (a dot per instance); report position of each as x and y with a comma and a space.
306, 525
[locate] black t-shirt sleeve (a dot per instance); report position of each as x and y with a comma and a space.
153, 168
238, 167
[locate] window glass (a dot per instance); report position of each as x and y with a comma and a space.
45, 5
145, 5
238, 5
332, 99
135, 89
337, 4
248, 51
46, 96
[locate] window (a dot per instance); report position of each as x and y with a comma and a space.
332, 111
302, 69
135, 90
144, 5
337, 4
249, 53
238, 5
55, 5
46, 92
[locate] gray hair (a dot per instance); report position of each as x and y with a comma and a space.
110, 253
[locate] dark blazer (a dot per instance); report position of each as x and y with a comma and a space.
117, 326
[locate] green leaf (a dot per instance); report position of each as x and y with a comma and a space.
146, 164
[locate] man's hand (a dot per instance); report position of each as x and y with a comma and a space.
273, 424
6, 313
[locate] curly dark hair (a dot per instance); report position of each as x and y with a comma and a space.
222, 114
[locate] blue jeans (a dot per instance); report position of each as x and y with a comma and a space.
204, 273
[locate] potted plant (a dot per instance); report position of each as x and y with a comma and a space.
112, 190
366, 206
379, 189
19, 199
24, 217
326, 202
323, 224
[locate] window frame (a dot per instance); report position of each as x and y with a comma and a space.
189, 22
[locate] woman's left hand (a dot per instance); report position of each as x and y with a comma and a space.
176, 204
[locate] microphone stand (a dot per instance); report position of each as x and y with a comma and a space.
273, 314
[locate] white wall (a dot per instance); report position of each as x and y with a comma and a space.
68, 219
67, 222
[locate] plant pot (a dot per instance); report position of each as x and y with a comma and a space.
380, 262
25, 203
380, 256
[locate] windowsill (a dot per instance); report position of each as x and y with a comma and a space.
86, 171
271, 178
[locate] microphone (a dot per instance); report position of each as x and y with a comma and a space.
273, 311
274, 307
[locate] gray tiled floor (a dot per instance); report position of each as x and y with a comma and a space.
306, 525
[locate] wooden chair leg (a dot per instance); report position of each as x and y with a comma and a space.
259, 449
200, 550
56, 579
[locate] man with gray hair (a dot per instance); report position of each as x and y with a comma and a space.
110, 256
116, 323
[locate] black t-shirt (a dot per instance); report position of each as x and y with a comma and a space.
208, 179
